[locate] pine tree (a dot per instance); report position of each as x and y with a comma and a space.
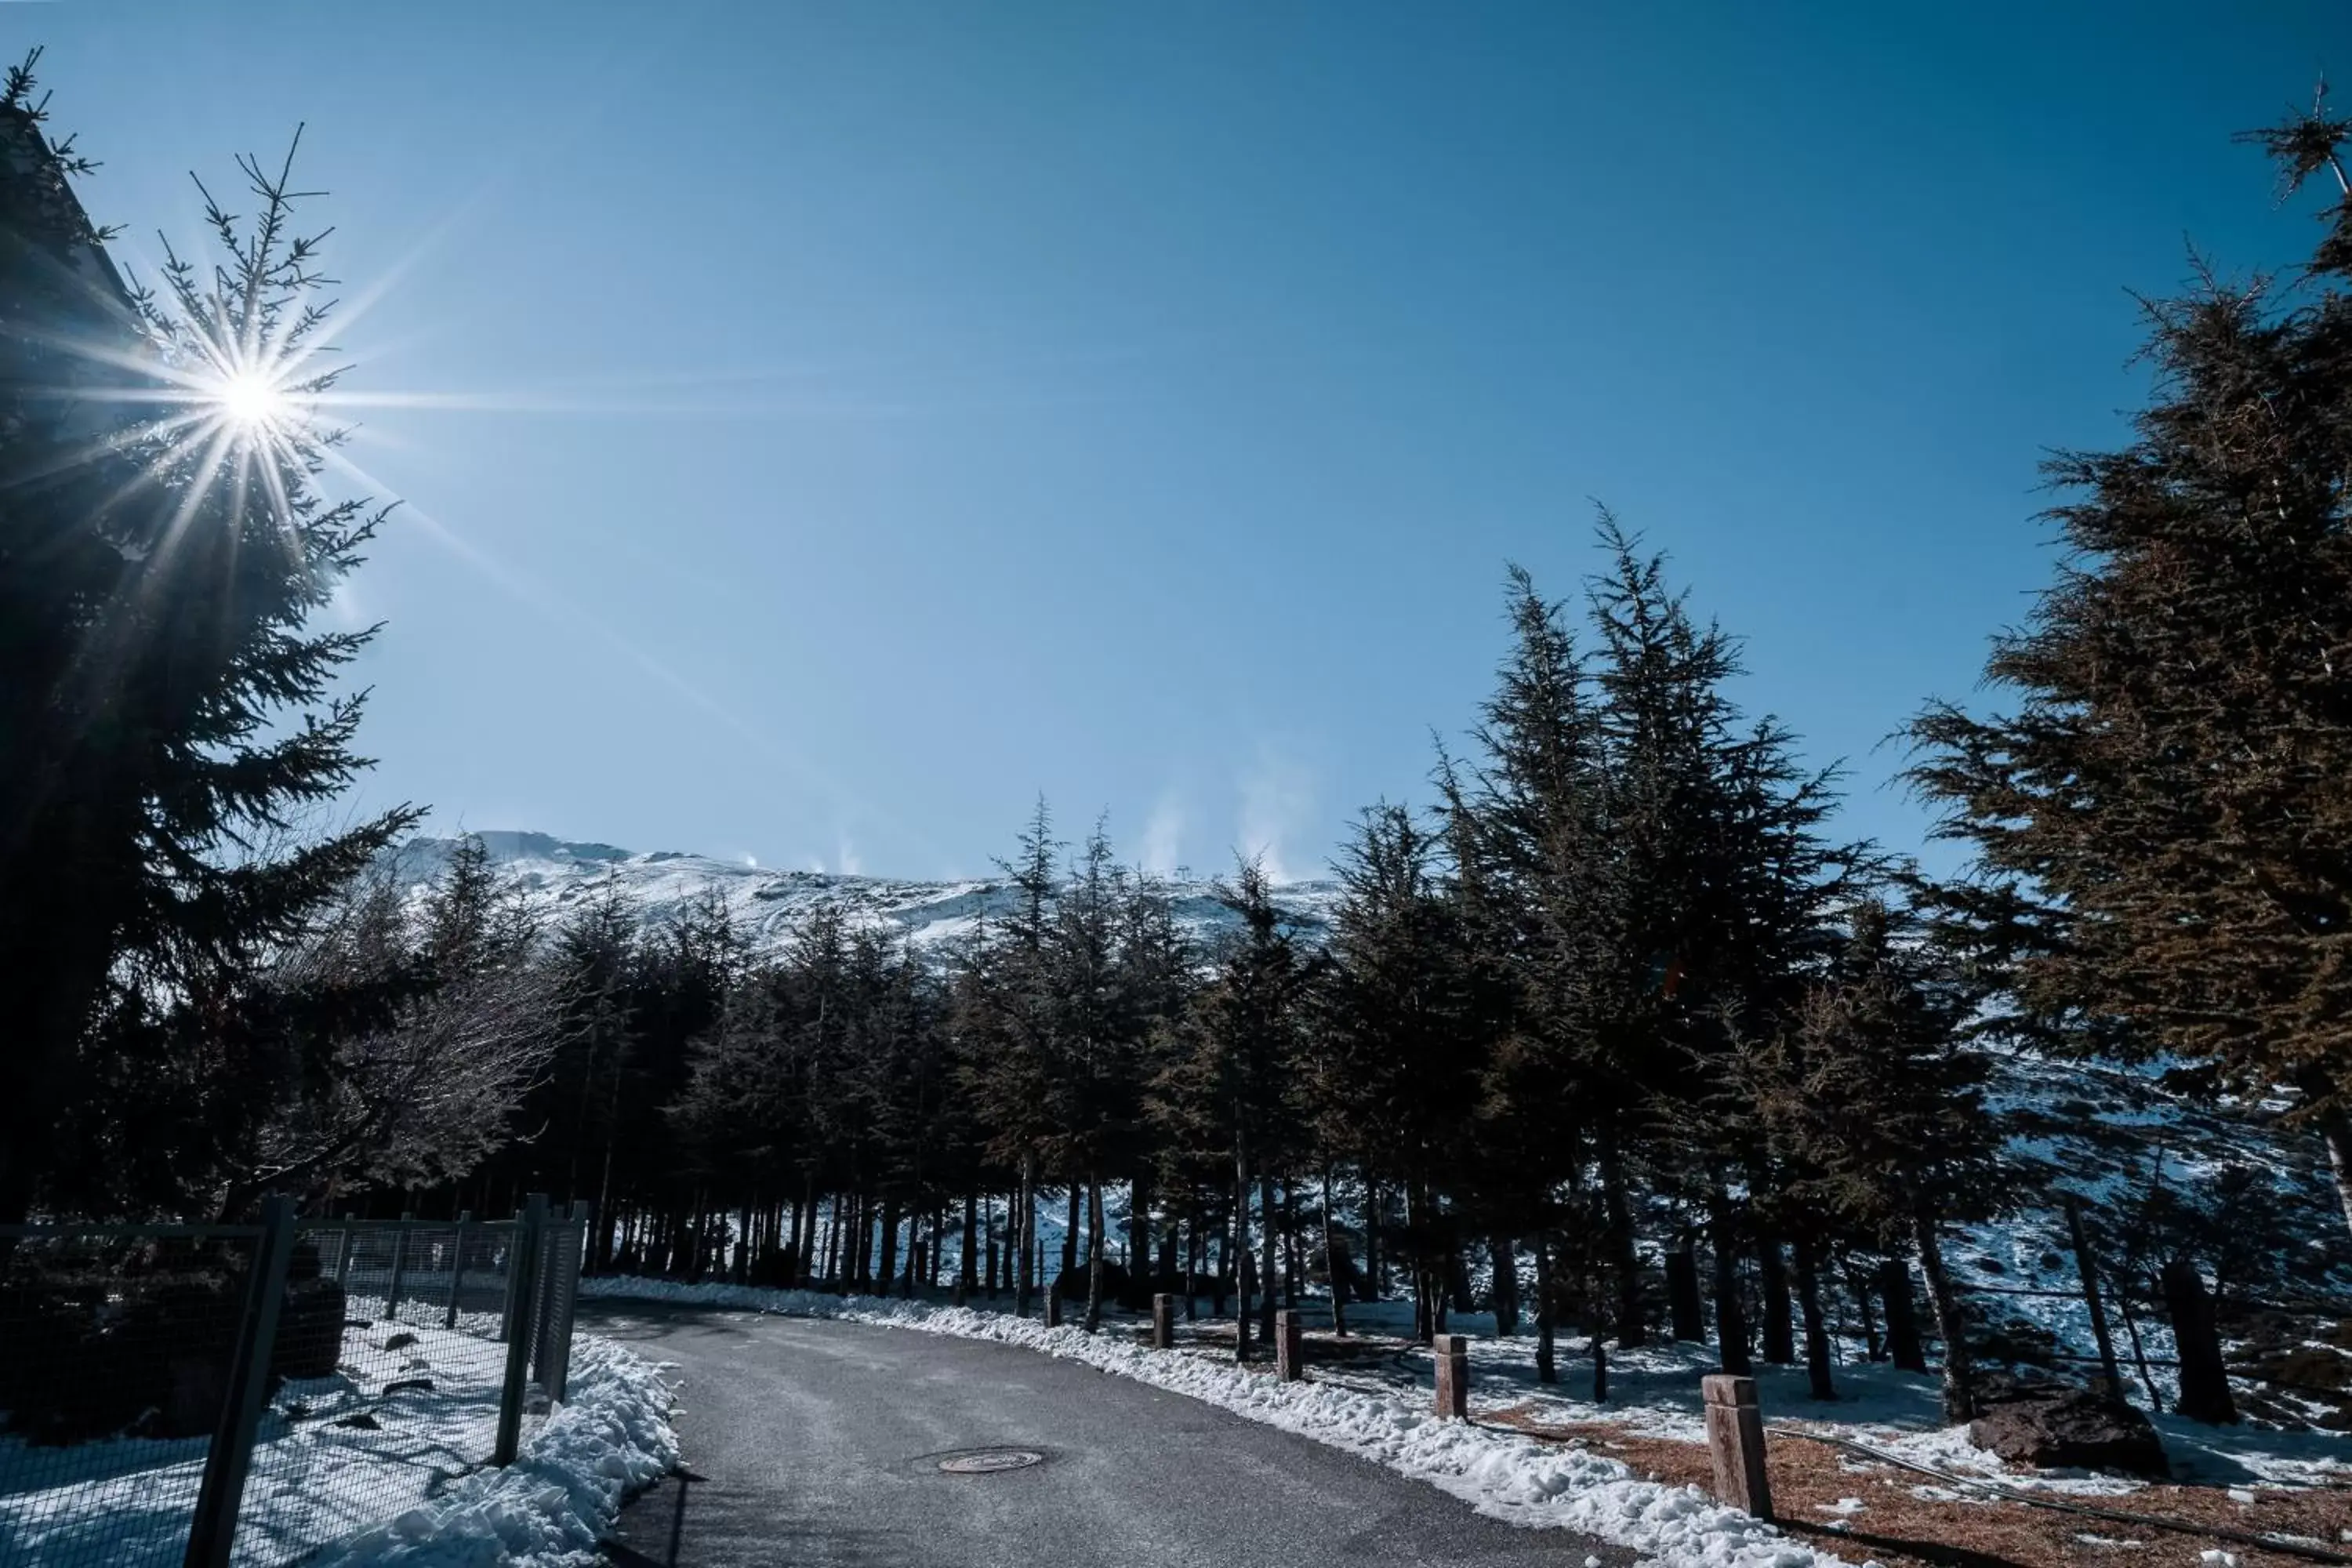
1228, 1061
168, 716
2166, 811
1875, 1106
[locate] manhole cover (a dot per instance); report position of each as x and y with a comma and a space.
988, 1461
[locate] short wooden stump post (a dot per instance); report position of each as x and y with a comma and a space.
1289, 1348
1054, 1305
1163, 1322
1734, 1440
1451, 1352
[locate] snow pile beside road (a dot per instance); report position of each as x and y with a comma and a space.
1505, 1475
550, 1507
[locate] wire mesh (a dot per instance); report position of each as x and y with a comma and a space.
115, 1352
383, 1382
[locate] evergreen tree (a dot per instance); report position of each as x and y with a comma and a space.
1223, 1083
1391, 1063
168, 717
1876, 1108
2167, 809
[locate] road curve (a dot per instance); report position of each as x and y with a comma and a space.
816, 1445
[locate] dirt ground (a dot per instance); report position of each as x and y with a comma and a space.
1893, 1526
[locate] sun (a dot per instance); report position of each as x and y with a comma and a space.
252, 401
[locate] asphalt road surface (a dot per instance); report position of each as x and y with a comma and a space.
816, 1445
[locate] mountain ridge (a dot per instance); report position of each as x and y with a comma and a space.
559, 876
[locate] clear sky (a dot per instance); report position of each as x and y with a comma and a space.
856, 418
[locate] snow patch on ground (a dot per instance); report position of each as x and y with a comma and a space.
1502, 1475
406, 1475
549, 1508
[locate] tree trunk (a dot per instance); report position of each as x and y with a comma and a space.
1292, 1268
1070, 1232
1238, 1246
1502, 1258
2086, 1265
2337, 1130
1025, 1196
1373, 1219
2204, 1380
1685, 1305
1902, 1317
1858, 1285
1094, 1255
1457, 1277
1335, 1262
1631, 1329
1416, 1225
967, 1266
1270, 1215
886, 1275
1960, 1386
1217, 1275
1547, 1366
1599, 1370
1141, 1271
1817, 1328
1730, 1317
1779, 1331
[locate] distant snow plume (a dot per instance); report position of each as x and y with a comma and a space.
1277, 803
1164, 838
846, 859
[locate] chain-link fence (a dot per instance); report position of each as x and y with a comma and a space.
179, 1395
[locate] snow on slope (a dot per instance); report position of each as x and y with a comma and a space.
770, 905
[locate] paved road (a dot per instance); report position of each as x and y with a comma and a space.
814, 1445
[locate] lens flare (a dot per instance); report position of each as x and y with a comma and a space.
250, 400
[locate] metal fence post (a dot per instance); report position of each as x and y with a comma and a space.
511, 1309
580, 1227
458, 1265
230, 1460
399, 1267
344, 1253
523, 1293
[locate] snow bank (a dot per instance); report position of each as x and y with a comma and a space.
1502, 1475
549, 1508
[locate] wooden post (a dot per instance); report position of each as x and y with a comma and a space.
1452, 1353
1734, 1440
1163, 1322
1289, 1347
1054, 1303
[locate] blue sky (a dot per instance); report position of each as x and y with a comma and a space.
861, 417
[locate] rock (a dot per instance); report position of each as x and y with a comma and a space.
2069, 1428
363, 1421
407, 1385
400, 1342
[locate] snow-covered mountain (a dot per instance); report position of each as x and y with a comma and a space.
769, 906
